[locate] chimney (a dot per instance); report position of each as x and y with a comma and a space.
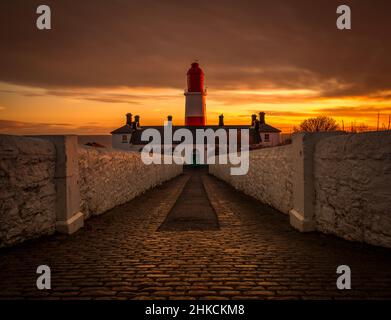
256, 125
253, 118
169, 118
221, 120
262, 117
137, 121
129, 119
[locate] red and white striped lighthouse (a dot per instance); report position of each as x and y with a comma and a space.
195, 114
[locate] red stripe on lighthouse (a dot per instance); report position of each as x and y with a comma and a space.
195, 121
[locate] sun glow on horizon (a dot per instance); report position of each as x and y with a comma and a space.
28, 110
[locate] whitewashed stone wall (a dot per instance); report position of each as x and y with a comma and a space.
345, 179
27, 189
269, 178
111, 178
28, 181
350, 176
353, 187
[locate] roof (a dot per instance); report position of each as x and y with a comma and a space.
126, 129
136, 134
266, 128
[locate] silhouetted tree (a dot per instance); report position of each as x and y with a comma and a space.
320, 123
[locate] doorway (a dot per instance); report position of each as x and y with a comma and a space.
196, 160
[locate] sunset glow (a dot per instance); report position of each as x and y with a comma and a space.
186, 157
79, 78
27, 110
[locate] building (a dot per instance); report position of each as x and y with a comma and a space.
128, 137
269, 136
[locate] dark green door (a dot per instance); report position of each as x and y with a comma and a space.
196, 158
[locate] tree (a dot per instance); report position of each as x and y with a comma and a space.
320, 123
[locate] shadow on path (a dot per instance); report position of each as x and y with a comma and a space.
192, 211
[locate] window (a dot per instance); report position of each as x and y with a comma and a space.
124, 138
267, 138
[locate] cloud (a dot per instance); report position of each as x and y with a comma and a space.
91, 94
251, 44
25, 128
237, 97
362, 111
10, 124
282, 113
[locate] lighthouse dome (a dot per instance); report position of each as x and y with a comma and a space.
195, 78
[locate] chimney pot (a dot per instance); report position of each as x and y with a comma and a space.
256, 125
221, 120
129, 118
169, 118
137, 121
262, 117
253, 118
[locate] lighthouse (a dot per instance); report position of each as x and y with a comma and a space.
130, 136
195, 97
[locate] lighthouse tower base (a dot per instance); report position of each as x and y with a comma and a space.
195, 108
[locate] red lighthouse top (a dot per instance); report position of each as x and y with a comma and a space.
195, 78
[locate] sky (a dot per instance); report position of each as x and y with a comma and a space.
102, 59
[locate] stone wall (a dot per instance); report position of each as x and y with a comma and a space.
331, 182
353, 187
27, 189
48, 183
269, 178
335, 183
111, 178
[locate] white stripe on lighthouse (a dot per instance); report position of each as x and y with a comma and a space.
195, 104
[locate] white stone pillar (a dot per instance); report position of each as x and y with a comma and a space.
303, 145
69, 219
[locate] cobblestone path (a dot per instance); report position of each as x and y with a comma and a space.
254, 254
192, 210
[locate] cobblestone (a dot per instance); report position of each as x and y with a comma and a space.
254, 254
